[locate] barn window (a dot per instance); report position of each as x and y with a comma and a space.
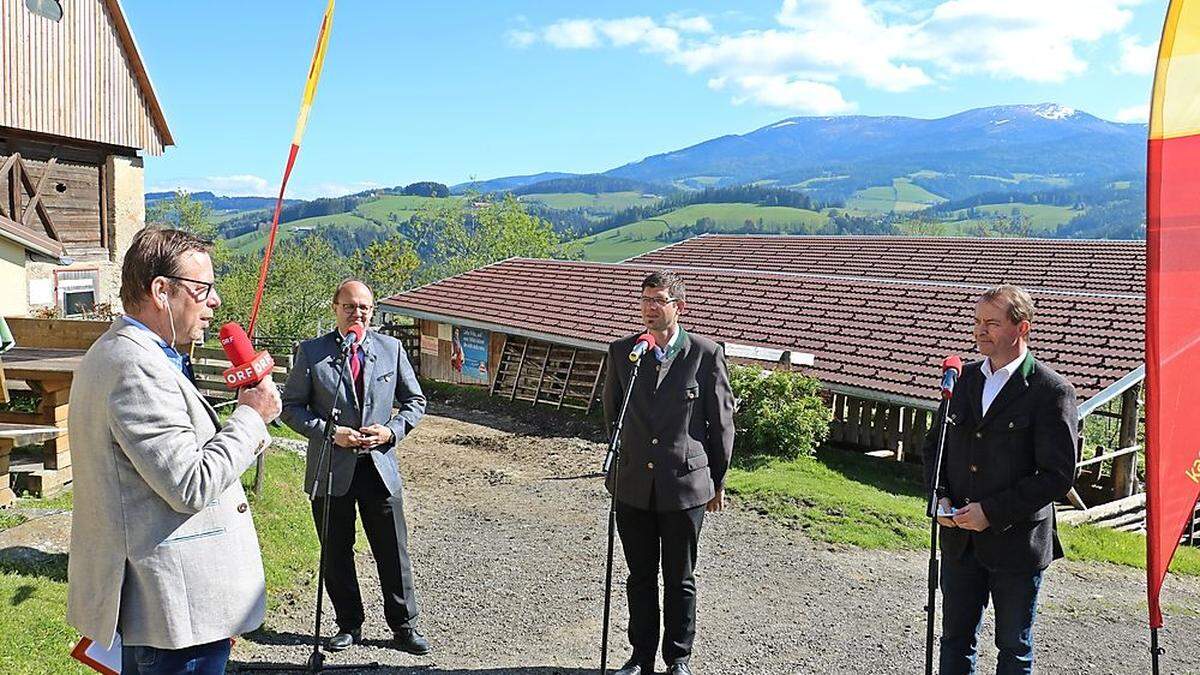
77, 291
51, 9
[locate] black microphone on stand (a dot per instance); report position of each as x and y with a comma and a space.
951, 369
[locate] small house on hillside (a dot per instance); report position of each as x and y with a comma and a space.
870, 317
76, 110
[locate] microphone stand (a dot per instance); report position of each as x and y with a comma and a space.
614, 452
935, 493
316, 660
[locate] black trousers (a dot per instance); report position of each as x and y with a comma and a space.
647, 538
383, 521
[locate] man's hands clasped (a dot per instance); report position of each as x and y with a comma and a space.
364, 439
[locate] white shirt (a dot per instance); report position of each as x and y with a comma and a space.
671, 349
994, 382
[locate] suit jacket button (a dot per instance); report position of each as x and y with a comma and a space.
974, 468
1010, 425
242, 507
978, 434
650, 465
653, 441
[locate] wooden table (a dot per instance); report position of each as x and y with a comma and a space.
16, 436
48, 373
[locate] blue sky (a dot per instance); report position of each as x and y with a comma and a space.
450, 91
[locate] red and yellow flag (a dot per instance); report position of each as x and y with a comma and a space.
310, 92
1172, 295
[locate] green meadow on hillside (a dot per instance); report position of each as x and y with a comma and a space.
606, 202
640, 237
903, 196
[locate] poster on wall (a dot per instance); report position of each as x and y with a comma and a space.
429, 345
469, 354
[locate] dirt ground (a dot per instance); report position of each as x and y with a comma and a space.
507, 533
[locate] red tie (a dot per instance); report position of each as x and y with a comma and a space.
355, 364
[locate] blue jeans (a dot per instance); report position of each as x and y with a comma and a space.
966, 586
206, 659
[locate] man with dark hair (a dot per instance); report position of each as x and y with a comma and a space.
365, 468
163, 548
1010, 453
676, 444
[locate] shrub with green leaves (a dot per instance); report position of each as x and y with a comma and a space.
779, 413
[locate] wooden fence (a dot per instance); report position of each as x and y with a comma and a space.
881, 429
210, 362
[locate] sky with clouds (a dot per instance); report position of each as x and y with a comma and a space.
429, 91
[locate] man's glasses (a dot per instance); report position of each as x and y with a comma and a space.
351, 308
199, 295
658, 302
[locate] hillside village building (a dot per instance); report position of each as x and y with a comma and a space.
76, 110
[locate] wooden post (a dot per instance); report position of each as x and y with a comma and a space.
853, 420
1125, 467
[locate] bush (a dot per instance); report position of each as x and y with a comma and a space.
779, 413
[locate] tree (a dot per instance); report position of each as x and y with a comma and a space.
427, 188
386, 266
183, 213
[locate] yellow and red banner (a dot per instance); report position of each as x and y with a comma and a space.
310, 92
1172, 295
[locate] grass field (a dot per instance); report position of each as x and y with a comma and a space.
1042, 217
846, 498
608, 202
640, 237
903, 196
403, 206
253, 242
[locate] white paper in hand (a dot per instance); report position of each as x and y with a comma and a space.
100, 659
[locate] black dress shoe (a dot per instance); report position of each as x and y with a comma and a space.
679, 669
343, 640
632, 667
409, 640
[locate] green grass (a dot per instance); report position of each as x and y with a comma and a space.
642, 236
37, 638
902, 196
608, 202
403, 206
253, 242
846, 498
1042, 217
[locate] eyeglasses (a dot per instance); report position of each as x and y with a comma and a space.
658, 302
351, 308
200, 296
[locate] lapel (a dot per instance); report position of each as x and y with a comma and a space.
147, 341
685, 345
342, 377
1011, 391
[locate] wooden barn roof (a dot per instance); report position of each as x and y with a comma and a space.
879, 337
1087, 265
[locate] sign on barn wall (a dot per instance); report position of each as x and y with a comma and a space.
469, 354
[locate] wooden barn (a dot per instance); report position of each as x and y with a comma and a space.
870, 317
77, 109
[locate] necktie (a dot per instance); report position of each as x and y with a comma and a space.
355, 364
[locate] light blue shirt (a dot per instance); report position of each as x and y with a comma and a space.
172, 355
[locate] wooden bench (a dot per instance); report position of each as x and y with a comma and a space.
19, 436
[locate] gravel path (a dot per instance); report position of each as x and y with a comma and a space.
507, 535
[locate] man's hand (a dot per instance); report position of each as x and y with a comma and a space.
717, 503
263, 398
971, 517
375, 435
945, 521
345, 437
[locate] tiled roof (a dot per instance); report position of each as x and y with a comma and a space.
884, 336
1087, 265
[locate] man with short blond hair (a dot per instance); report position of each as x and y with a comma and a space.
1010, 453
163, 548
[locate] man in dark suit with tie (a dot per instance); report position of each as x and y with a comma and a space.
676, 444
365, 469
1010, 452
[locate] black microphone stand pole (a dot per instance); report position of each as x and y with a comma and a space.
614, 452
935, 493
316, 660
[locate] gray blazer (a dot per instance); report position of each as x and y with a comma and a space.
388, 382
162, 543
678, 438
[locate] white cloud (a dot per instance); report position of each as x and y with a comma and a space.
242, 185
333, 189
690, 24
520, 38
889, 45
1137, 58
1136, 113
572, 34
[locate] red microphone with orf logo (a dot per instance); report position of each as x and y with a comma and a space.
249, 368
